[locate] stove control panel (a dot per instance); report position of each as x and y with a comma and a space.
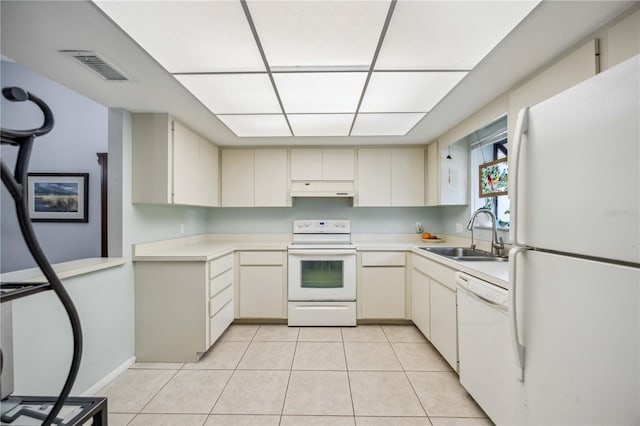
321, 226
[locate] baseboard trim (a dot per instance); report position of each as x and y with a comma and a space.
109, 377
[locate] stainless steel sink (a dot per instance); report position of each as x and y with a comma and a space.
464, 253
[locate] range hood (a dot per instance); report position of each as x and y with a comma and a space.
322, 189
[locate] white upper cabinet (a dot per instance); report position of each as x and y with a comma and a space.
271, 181
338, 164
390, 177
306, 164
448, 174
171, 164
322, 164
407, 177
237, 178
255, 178
433, 181
374, 177
186, 164
209, 170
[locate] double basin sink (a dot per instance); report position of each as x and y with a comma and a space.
465, 253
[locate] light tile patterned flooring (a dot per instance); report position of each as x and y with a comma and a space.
279, 375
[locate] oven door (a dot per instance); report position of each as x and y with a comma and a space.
319, 274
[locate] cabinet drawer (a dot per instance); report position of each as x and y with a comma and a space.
220, 282
221, 264
383, 258
261, 258
445, 275
219, 300
421, 264
220, 321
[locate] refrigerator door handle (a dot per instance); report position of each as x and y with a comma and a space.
522, 125
513, 311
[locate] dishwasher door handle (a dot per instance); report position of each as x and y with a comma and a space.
481, 298
474, 289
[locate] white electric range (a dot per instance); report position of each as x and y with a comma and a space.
322, 274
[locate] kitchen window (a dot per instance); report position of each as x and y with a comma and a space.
489, 144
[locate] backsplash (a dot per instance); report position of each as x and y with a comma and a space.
364, 220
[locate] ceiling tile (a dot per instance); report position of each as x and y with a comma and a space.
189, 36
319, 33
256, 125
439, 35
320, 124
233, 93
397, 124
407, 91
331, 92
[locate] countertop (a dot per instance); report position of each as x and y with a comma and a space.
64, 270
208, 247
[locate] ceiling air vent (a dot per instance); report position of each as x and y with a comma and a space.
97, 64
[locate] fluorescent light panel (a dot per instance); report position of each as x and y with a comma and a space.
440, 35
325, 39
320, 92
407, 91
397, 124
189, 36
318, 33
320, 124
256, 125
233, 93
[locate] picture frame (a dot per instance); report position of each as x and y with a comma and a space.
493, 178
58, 197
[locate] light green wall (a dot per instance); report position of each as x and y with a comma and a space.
364, 220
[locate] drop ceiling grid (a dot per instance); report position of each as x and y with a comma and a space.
314, 65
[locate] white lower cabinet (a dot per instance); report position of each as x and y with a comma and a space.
262, 289
444, 322
434, 306
221, 295
181, 308
420, 303
382, 292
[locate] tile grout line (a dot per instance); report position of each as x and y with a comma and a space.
155, 394
286, 389
412, 387
404, 371
346, 365
230, 376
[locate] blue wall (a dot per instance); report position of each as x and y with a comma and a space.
79, 133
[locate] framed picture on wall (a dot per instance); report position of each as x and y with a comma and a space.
493, 177
58, 197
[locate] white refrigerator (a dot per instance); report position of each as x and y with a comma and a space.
575, 266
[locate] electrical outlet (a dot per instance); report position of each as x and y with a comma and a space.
419, 228
182, 228
459, 228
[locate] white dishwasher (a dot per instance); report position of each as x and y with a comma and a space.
487, 365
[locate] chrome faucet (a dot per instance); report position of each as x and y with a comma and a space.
497, 244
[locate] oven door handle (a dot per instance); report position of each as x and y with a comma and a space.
321, 252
